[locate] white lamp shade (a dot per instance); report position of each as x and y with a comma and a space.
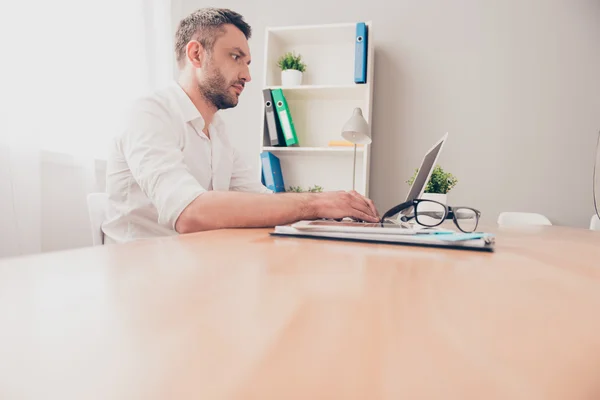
356, 130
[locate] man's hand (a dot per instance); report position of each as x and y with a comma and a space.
340, 204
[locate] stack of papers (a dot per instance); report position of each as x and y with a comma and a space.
374, 233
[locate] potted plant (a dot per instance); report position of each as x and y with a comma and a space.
440, 183
312, 189
292, 67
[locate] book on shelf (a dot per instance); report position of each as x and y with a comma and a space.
360, 53
271, 172
272, 130
285, 117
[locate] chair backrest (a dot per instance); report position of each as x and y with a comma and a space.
97, 209
521, 218
595, 223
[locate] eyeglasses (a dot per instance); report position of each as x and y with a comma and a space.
431, 213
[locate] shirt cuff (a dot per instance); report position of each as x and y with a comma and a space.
182, 197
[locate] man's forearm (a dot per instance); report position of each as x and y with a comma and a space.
217, 210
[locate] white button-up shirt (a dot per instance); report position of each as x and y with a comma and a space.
161, 161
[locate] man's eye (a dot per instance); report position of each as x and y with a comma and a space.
235, 56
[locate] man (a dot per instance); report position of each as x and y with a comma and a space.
173, 170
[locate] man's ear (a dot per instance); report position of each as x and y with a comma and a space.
195, 53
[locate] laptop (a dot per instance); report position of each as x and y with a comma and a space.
395, 226
418, 187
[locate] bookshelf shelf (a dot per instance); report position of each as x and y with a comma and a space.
320, 106
322, 35
317, 150
325, 92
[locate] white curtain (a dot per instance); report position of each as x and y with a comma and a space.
69, 67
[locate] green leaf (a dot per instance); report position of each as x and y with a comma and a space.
291, 61
299, 189
439, 182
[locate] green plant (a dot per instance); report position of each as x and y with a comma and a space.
299, 189
291, 61
439, 182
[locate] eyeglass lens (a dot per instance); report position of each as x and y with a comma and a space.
430, 213
466, 219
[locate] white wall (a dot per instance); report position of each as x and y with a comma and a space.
516, 83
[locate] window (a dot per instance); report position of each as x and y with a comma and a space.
74, 65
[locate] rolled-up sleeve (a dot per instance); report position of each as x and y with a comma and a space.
152, 152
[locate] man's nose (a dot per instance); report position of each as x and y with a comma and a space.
246, 74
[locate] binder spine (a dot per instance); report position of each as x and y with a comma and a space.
285, 118
271, 124
271, 170
360, 53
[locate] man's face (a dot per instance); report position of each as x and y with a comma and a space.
226, 69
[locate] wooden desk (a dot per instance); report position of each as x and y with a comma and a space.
241, 315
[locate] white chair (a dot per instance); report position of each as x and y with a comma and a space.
595, 223
97, 209
521, 218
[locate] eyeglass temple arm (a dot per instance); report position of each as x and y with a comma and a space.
395, 210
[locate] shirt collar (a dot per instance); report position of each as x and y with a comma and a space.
190, 112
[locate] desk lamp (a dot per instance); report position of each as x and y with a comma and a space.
596, 177
356, 130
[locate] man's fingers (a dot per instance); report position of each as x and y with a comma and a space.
372, 207
358, 204
359, 209
361, 200
363, 216
368, 202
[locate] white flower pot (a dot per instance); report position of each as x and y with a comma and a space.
291, 77
439, 197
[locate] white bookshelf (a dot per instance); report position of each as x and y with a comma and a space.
321, 105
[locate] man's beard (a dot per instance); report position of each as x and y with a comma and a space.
215, 90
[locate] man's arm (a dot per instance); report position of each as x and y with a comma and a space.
216, 210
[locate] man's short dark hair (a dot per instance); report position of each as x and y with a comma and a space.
206, 26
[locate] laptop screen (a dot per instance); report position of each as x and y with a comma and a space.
418, 186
